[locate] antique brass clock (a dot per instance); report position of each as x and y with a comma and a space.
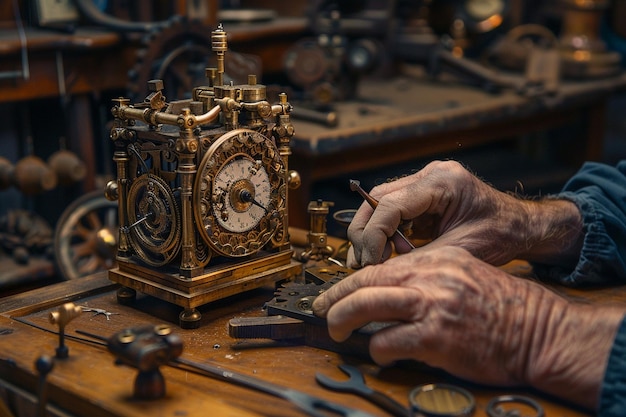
202, 192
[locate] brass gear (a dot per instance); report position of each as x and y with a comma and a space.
155, 220
295, 299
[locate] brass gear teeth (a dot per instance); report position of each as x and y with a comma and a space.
158, 245
294, 299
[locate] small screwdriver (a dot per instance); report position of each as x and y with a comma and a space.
356, 186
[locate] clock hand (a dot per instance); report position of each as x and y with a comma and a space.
246, 197
126, 229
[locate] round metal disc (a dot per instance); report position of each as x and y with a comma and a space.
505, 405
441, 400
344, 217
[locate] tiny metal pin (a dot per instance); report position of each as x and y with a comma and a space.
355, 185
97, 311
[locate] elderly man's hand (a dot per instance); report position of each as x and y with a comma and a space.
451, 207
458, 313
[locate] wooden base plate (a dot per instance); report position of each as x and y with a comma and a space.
217, 283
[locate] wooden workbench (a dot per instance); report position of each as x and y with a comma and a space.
89, 384
404, 118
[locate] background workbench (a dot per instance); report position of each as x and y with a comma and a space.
396, 121
88, 382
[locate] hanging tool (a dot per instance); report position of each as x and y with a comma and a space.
356, 186
356, 385
24, 72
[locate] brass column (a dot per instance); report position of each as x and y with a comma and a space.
187, 147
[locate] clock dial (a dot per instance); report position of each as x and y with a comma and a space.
240, 193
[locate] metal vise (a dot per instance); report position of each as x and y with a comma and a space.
146, 348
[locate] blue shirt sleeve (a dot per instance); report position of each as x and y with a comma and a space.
599, 191
613, 393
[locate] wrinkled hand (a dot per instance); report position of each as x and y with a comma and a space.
451, 207
453, 311
472, 319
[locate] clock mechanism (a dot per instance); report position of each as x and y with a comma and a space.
202, 188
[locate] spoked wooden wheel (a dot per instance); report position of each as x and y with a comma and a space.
85, 238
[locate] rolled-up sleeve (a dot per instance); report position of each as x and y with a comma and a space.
599, 191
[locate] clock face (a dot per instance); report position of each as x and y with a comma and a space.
240, 193
480, 10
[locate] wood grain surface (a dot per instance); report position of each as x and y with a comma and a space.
89, 383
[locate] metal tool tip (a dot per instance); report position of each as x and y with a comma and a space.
354, 184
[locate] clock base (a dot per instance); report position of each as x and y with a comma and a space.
230, 278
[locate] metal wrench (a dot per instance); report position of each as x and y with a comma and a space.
313, 406
356, 385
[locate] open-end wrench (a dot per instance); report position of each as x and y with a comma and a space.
313, 406
356, 385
